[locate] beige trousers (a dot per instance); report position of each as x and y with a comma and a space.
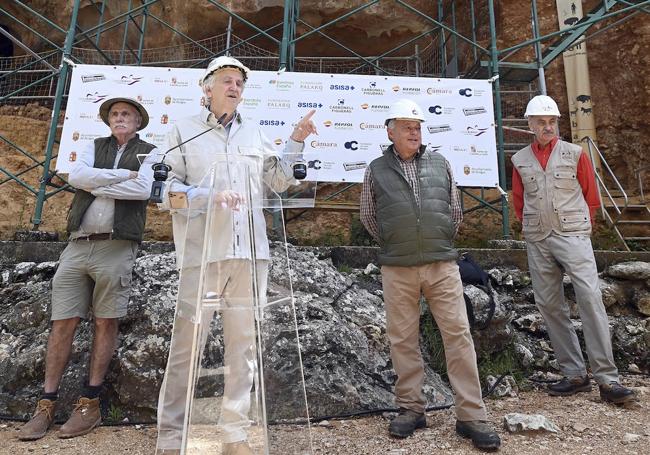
440, 284
232, 281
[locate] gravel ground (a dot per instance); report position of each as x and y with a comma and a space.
587, 426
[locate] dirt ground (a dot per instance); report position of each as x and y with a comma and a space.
587, 426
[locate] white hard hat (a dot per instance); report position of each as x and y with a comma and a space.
542, 105
405, 110
224, 61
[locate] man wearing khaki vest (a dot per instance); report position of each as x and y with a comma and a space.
106, 223
410, 205
555, 196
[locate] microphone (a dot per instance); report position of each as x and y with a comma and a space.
161, 169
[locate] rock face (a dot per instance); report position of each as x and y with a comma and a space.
341, 324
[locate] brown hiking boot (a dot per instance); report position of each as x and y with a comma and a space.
39, 423
237, 448
84, 418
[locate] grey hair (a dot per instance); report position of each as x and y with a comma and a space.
208, 81
391, 124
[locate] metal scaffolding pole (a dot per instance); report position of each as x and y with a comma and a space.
56, 109
494, 65
538, 47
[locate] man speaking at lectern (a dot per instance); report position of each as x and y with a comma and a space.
229, 274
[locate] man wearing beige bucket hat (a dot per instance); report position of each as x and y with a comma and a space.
106, 223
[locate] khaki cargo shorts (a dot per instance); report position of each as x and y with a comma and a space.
93, 274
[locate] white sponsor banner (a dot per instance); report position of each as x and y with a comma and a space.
350, 114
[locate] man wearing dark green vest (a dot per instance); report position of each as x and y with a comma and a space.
105, 222
410, 205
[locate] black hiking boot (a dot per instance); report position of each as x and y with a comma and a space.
406, 423
570, 386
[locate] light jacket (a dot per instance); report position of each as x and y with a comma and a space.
242, 160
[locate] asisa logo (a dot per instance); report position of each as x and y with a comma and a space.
265, 122
310, 105
341, 87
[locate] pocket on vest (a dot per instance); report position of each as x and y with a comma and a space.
530, 183
565, 178
531, 221
574, 221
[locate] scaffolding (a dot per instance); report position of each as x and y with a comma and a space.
457, 39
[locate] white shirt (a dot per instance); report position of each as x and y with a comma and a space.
107, 185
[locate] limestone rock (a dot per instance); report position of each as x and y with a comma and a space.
507, 387
613, 293
633, 270
641, 301
518, 423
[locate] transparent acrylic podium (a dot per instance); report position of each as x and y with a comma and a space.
234, 374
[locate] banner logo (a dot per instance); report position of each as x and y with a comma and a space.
92, 78
94, 97
433, 129
130, 79
438, 91
474, 110
475, 130
278, 104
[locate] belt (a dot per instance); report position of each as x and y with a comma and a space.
104, 236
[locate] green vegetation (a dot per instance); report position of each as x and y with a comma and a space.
115, 414
494, 364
